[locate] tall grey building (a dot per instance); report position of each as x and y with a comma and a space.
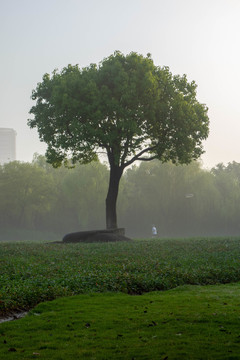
7, 145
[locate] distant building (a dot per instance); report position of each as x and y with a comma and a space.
7, 145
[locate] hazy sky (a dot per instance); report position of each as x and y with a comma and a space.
199, 38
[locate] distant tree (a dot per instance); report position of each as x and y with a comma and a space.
180, 200
84, 190
126, 106
78, 197
227, 181
25, 193
232, 169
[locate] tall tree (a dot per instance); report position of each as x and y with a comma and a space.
126, 106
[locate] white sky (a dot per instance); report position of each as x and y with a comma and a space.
199, 38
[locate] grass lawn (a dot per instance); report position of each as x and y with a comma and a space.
188, 322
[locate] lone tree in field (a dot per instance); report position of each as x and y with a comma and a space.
126, 106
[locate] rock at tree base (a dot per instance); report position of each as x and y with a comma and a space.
96, 236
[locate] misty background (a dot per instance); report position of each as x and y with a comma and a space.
182, 201
199, 38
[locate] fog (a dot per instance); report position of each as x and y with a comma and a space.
181, 201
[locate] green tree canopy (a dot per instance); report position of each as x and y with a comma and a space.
126, 106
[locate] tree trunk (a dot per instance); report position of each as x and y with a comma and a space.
111, 200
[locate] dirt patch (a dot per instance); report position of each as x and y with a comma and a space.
13, 316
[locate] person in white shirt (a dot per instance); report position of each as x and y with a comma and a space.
154, 231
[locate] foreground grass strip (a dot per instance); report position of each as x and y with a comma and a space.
31, 273
190, 322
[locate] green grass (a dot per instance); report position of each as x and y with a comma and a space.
190, 322
32, 273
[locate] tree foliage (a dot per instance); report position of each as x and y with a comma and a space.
126, 106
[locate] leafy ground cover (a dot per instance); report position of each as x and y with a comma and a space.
32, 273
190, 322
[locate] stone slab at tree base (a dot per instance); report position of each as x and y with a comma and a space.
106, 235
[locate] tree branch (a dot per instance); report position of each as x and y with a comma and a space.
138, 156
149, 158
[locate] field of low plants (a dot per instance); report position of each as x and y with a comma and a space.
36, 272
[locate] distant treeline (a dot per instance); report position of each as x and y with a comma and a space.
180, 200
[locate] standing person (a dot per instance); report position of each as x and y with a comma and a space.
154, 231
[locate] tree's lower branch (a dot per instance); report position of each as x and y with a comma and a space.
148, 158
138, 156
